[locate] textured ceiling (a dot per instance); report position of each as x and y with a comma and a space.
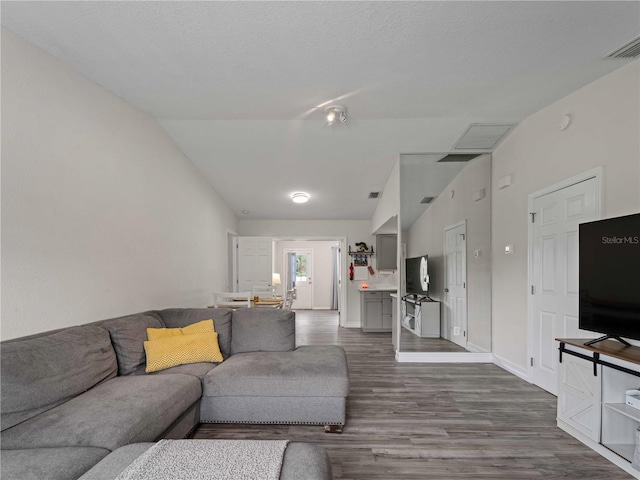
236, 84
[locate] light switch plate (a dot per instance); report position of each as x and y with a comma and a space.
505, 181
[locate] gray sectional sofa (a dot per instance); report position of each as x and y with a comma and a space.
73, 396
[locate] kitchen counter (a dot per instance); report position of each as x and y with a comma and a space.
378, 288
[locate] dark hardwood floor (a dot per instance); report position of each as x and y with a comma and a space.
410, 342
432, 421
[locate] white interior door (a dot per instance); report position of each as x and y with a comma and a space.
255, 264
554, 273
455, 293
232, 262
303, 278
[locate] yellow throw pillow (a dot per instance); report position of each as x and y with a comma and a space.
205, 326
182, 349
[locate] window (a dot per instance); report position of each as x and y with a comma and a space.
301, 267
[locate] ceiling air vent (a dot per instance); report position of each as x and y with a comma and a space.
482, 136
459, 157
628, 50
374, 194
426, 200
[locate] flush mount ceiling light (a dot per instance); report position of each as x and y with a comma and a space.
334, 113
300, 197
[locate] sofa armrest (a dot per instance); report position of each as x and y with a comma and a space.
262, 330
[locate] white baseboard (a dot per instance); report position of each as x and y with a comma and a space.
511, 367
474, 348
443, 357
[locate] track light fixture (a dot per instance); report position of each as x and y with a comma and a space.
335, 113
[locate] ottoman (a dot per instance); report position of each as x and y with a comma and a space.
301, 460
308, 385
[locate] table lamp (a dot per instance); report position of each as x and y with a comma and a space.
275, 281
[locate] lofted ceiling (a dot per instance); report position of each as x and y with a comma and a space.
239, 85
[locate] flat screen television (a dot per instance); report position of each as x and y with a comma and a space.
417, 275
609, 278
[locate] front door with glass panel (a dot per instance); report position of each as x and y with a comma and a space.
299, 274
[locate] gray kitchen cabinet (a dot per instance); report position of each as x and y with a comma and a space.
375, 311
386, 251
386, 312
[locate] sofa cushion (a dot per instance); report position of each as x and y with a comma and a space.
205, 326
66, 463
305, 460
181, 317
116, 462
263, 330
128, 335
120, 411
181, 350
309, 371
196, 369
41, 372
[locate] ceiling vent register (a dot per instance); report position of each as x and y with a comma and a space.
628, 50
427, 200
482, 136
459, 157
374, 194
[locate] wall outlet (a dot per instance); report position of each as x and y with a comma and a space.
456, 330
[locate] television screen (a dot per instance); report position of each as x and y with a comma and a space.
417, 276
610, 276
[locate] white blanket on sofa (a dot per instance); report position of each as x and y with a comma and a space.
209, 460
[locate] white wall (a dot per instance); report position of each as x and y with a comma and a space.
426, 237
322, 273
353, 230
102, 215
605, 132
389, 202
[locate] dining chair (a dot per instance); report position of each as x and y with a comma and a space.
268, 292
231, 299
288, 299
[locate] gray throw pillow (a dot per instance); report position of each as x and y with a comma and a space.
128, 335
262, 330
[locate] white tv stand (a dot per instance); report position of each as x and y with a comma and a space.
421, 316
592, 380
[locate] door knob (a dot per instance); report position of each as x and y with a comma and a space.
446, 290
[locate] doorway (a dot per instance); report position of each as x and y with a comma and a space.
455, 291
555, 214
315, 267
298, 270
